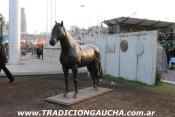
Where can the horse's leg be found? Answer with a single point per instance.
(94, 80)
(96, 75)
(75, 71)
(65, 70)
(90, 69)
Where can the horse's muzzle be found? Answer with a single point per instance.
(52, 42)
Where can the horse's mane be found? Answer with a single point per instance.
(69, 36)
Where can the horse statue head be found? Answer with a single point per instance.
(58, 33)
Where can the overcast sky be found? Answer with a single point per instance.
(94, 11)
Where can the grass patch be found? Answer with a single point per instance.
(123, 80)
(160, 85)
(163, 85)
(158, 76)
(172, 67)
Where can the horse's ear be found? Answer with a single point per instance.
(56, 22)
(61, 23)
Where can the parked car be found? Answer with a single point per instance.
(172, 60)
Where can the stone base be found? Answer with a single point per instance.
(82, 95)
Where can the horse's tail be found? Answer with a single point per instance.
(100, 70)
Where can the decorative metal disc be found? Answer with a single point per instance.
(139, 48)
(124, 45)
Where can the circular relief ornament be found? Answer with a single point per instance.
(139, 48)
(124, 45)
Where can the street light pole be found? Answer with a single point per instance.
(82, 30)
(82, 6)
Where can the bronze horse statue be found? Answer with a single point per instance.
(73, 56)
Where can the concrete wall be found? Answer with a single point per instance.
(128, 64)
(52, 55)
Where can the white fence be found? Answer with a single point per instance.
(137, 63)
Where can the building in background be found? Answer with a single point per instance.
(81, 34)
(165, 29)
(3, 28)
(23, 21)
(2, 25)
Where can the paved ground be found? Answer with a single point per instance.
(169, 76)
(30, 65)
(29, 92)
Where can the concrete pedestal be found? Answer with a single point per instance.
(82, 95)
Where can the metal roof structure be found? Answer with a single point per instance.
(139, 22)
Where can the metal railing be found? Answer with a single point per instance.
(167, 38)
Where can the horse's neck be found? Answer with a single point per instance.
(67, 43)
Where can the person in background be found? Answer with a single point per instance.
(3, 61)
(167, 50)
(38, 52)
(42, 52)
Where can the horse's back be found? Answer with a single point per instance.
(89, 54)
(89, 47)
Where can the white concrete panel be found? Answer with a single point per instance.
(128, 58)
(144, 69)
(100, 43)
(128, 64)
(112, 59)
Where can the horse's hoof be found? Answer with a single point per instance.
(96, 89)
(95, 86)
(75, 95)
(65, 95)
(98, 84)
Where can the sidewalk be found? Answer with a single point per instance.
(30, 65)
(169, 77)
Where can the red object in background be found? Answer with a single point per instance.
(22, 45)
(41, 41)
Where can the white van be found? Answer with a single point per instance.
(172, 60)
